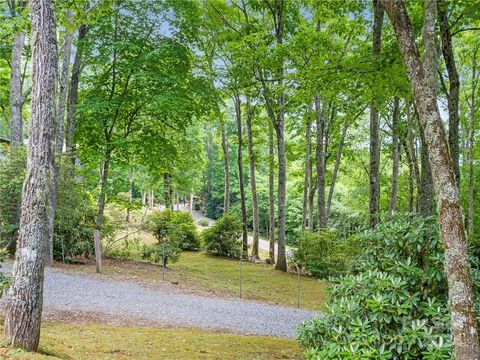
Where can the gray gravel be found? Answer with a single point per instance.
(72, 292)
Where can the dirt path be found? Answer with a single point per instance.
(78, 297)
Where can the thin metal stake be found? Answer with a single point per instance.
(298, 287)
(241, 279)
(163, 261)
(63, 252)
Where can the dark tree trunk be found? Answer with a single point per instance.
(454, 86)
(464, 322)
(253, 182)
(103, 187)
(73, 95)
(167, 191)
(395, 156)
(411, 152)
(471, 144)
(375, 124)
(320, 162)
(311, 197)
(307, 181)
(226, 181)
(241, 179)
(66, 52)
(271, 194)
(25, 296)
(425, 196)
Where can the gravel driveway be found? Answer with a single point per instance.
(125, 301)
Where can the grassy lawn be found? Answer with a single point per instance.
(203, 273)
(85, 341)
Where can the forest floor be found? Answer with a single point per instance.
(69, 341)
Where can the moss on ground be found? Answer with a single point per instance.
(87, 341)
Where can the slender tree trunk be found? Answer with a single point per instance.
(73, 95)
(375, 124)
(131, 177)
(471, 144)
(282, 187)
(226, 186)
(311, 197)
(395, 155)
(336, 167)
(103, 187)
(464, 322)
(16, 97)
(66, 52)
(253, 183)
(25, 296)
(454, 86)
(271, 194)
(241, 179)
(167, 191)
(425, 201)
(320, 157)
(307, 184)
(412, 154)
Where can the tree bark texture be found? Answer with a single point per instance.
(253, 182)
(454, 87)
(471, 144)
(25, 296)
(271, 194)
(226, 181)
(241, 179)
(16, 96)
(464, 322)
(395, 155)
(320, 162)
(307, 184)
(374, 173)
(103, 188)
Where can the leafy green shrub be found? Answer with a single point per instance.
(395, 306)
(203, 222)
(166, 250)
(12, 175)
(175, 226)
(324, 254)
(75, 218)
(223, 238)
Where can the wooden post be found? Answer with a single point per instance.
(98, 250)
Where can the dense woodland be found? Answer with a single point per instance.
(344, 133)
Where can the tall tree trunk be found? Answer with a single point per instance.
(471, 144)
(226, 181)
(271, 194)
(374, 173)
(320, 162)
(253, 183)
(464, 322)
(454, 86)
(395, 155)
(311, 197)
(412, 154)
(282, 188)
(425, 196)
(73, 94)
(338, 159)
(241, 179)
(103, 187)
(16, 96)
(131, 177)
(307, 184)
(66, 52)
(25, 296)
(167, 191)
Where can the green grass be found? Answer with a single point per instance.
(199, 272)
(86, 341)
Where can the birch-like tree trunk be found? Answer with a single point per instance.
(25, 296)
(374, 172)
(241, 179)
(16, 96)
(226, 179)
(395, 155)
(253, 182)
(464, 322)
